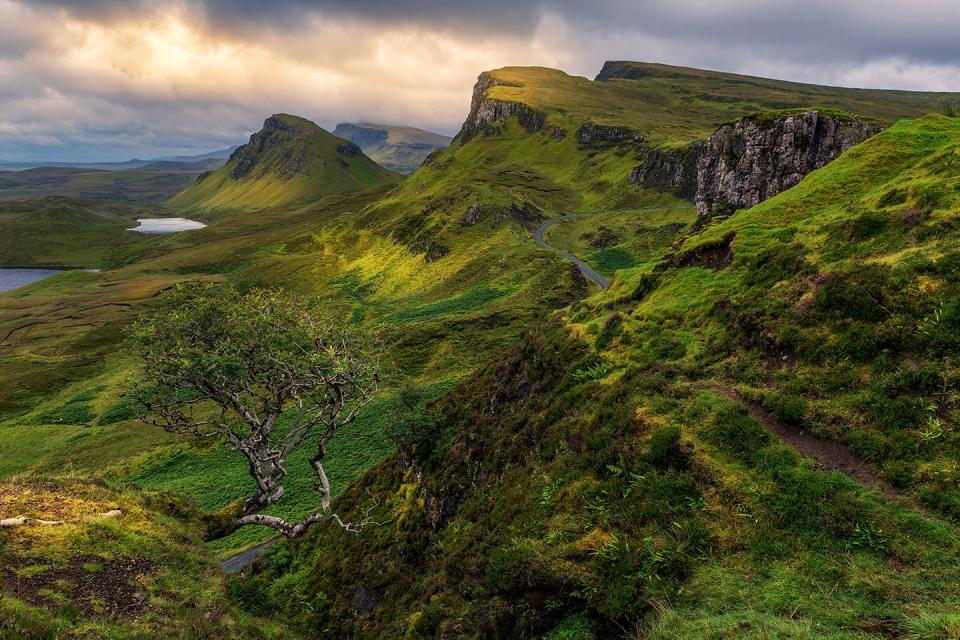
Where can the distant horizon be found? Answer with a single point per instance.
(163, 154)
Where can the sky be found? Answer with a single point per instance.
(95, 80)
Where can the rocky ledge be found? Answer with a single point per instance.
(486, 113)
(751, 160)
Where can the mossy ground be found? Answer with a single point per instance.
(141, 574)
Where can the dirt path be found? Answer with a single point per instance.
(828, 454)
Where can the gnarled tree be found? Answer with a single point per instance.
(266, 371)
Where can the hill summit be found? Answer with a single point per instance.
(290, 160)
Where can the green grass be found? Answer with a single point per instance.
(675, 105)
(583, 483)
(122, 185)
(217, 476)
(471, 300)
(83, 578)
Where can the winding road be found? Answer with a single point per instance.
(585, 269)
(242, 560)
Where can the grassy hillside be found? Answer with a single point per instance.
(69, 232)
(613, 473)
(91, 562)
(150, 185)
(439, 321)
(582, 138)
(678, 96)
(631, 469)
(290, 161)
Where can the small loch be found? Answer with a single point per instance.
(11, 279)
(154, 226)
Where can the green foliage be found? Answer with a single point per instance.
(862, 294)
(738, 433)
(413, 425)
(612, 259)
(261, 371)
(123, 409)
(73, 412)
(472, 300)
(788, 408)
(611, 328)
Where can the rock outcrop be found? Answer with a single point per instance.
(486, 113)
(527, 215)
(276, 132)
(673, 170)
(751, 160)
(590, 134)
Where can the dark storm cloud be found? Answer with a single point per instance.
(855, 30)
(98, 76)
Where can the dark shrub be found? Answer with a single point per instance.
(123, 409)
(862, 294)
(70, 413)
(893, 197)
(735, 431)
(666, 450)
(867, 225)
(610, 330)
(666, 348)
(788, 408)
(929, 197)
(648, 282)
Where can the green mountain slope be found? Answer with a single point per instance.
(596, 477)
(69, 232)
(621, 472)
(543, 142)
(290, 161)
(400, 149)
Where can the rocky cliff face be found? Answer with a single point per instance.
(745, 163)
(748, 162)
(591, 134)
(486, 113)
(673, 170)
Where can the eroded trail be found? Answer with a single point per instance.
(828, 454)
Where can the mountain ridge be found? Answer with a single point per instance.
(398, 148)
(290, 160)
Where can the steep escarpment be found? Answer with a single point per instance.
(619, 472)
(746, 163)
(753, 159)
(400, 149)
(486, 112)
(290, 160)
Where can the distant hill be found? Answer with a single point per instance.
(400, 149)
(290, 161)
(151, 183)
(211, 158)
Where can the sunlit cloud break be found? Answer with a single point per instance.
(94, 80)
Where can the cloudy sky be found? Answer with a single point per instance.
(114, 79)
